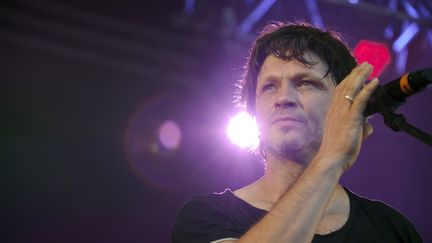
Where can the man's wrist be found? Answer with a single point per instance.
(328, 164)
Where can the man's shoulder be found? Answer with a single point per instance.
(209, 217)
(374, 205)
(210, 199)
(224, 205)
(208, 205)
(384, 217)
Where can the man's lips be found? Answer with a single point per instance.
(288, 119)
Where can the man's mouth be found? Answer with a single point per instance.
(288, 119)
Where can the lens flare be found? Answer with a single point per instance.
(170, 135)
(242, 130)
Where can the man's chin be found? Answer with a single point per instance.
(293, 141)
(294, 149)
(292, 146)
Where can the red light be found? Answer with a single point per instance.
(375, 53)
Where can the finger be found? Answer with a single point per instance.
(359, 79)
(363, 96)
(367, 130)
(354, 81)
(347, 89)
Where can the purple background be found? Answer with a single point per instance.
(85, 85)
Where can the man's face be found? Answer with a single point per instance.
(291, 104)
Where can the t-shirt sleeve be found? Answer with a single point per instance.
(202, 219)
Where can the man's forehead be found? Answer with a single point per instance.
(318, 67)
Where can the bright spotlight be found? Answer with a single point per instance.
(243, 131)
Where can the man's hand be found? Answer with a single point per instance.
(345, 127)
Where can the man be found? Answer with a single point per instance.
(308, 96)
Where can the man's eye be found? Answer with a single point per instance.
(268, 87)
(311, 84)
(304, 83)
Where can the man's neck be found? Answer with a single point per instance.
(279, 176)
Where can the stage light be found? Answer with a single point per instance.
(169, 135)
(375, 53)
(410, 9)
(256, 15)
(189, 6)
(407, 35)
(242, 130)
(314, 13)
(353, 1)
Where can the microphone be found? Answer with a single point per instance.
(392, 95)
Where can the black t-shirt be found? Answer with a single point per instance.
(212, 217)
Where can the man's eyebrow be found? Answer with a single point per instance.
(298, 76)
(270, 78)
(308, 75)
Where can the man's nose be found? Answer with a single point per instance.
(287, 98)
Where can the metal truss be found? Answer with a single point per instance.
(239, 18)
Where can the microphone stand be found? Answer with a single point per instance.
(397, 122)
(383, 104)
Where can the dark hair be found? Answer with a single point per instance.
(290, 41)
